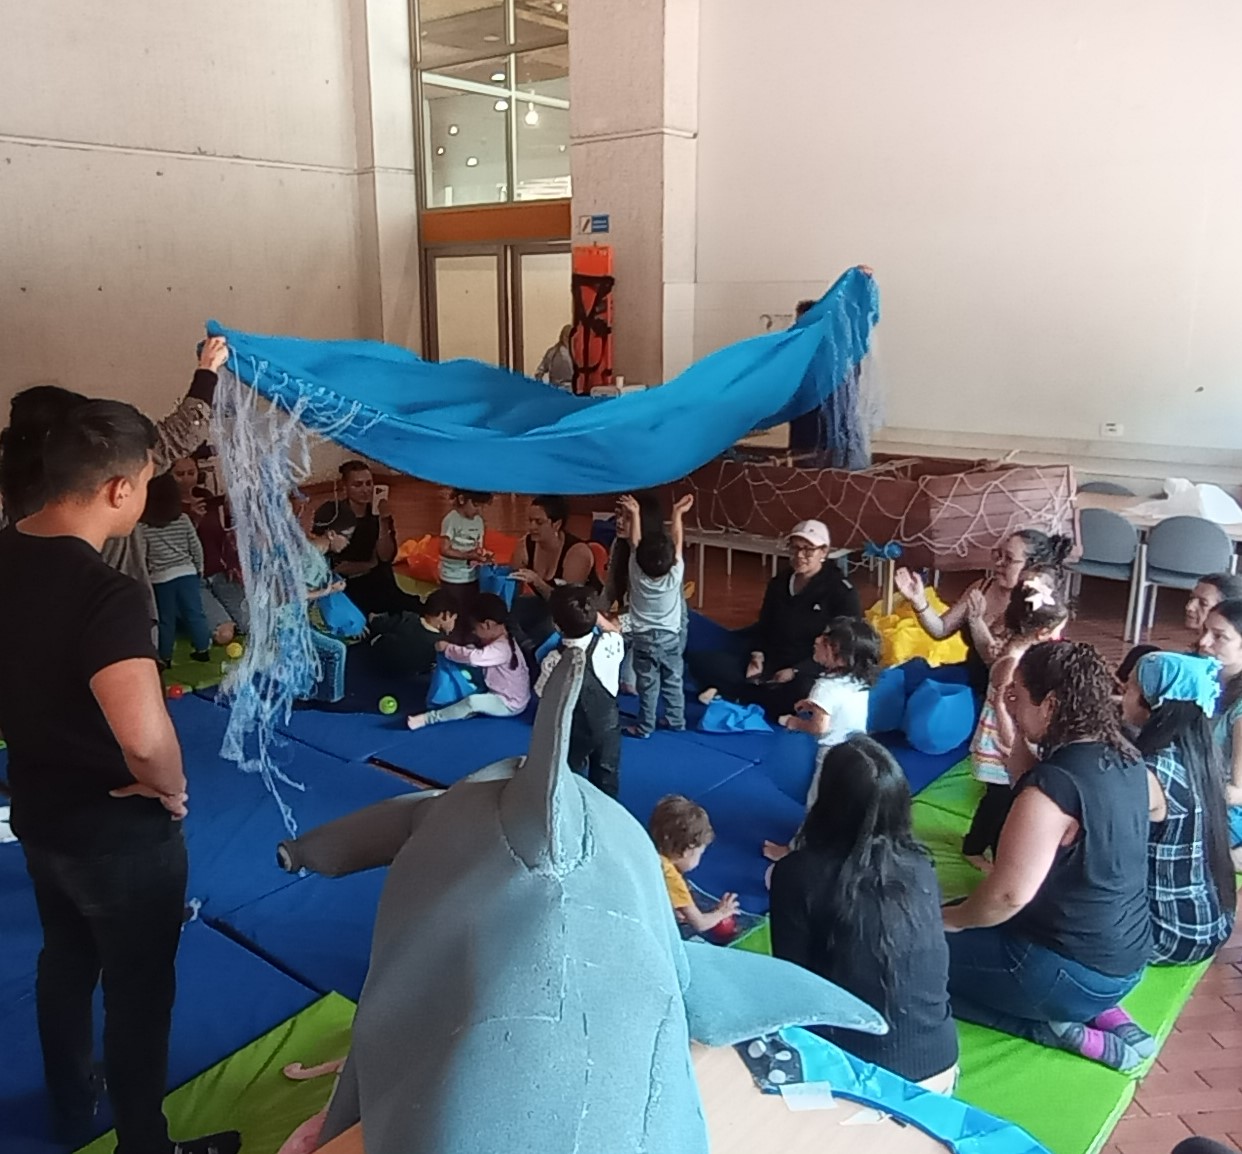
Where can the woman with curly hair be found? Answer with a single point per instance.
(1058, 933)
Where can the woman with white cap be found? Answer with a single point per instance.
(777, 668)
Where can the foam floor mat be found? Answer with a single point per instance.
(225, 997)
(248, 1091)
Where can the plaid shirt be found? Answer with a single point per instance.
(1187, 921)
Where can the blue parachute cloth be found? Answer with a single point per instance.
(450, 683)
(472, 425)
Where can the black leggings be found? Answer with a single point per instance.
(989, 820)
(726, 673)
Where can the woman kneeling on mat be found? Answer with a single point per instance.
(497, 654)
(857, 903)
(1058, 933)
(1190, 882)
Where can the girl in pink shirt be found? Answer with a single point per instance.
(497, 654)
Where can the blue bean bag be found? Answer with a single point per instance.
(886, 704)
(939, 716)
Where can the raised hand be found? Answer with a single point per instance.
(213, 354)
(909, 585)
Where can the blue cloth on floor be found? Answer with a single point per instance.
(450, 682)
(722, 716)
(467, 424)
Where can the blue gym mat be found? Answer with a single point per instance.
(921, 769)
(234, 823)
(226, 997)
(20, 936)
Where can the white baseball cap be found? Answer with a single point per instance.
(816, 532)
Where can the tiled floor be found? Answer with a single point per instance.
(1196, 1087)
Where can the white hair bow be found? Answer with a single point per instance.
(1039, 593)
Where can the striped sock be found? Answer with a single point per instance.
(1117, 1022)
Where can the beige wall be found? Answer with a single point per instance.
(1049, 194)
(163, 164)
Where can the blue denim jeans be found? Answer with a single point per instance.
(331, 652)
(1000, 980)
(181, 601)
(658, 671)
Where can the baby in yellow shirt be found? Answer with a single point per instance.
(681, 831)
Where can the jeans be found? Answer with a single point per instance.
(1000, 980)
(331, 653)
(118, 915)
(225, 601)
(658, 671)
(489, 704)
(180, 601)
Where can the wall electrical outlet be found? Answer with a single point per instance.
(1112, 429)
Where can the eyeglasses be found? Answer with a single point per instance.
(803, 550)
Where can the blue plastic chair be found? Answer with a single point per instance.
(1110, 547)
(1109, 487)
(1178, 552)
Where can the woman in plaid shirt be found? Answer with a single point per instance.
(1170, 697)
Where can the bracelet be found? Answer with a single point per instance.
(921, 609)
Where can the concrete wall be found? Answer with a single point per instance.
(163, 164)
(1048, 194)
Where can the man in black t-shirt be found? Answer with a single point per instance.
(96, 777)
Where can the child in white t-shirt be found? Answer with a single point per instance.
(657, 574)
(461, 540)
(848, 652)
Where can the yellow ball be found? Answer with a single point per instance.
(234, 649)
(388, 705)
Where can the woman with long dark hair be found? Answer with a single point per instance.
(857, 903)
(1222, 639)
(1190, 881)
(1059, 932)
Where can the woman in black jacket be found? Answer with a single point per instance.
(778, 669)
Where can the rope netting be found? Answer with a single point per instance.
(949, 519)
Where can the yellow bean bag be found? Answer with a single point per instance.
(903, 637)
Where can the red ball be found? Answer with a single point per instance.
(176, 692)
(725, 931)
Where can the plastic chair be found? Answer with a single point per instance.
(1179, 550)
(1110, 546)
(1109, 487)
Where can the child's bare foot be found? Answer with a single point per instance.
(774, 851)
(416, 721)
(980, 862)
(708, 696)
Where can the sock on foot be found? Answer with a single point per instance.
(1116, 1021)
(1098, 1045)
(225, 1142)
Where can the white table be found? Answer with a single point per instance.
(733, 542)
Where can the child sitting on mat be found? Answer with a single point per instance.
(174, 560)
(656, 574)
(404, 644)
(595, 735)
(1036, 612)
(681, 831)
(848, 654)
(461, 541)
(497, 654)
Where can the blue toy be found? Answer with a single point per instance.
(450, 682)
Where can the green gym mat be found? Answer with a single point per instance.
(248, 1090)
(191, 674)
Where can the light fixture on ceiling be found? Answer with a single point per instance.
(453, 130)
(498, 77)
(472, 162)
(491, 39)
(532, 115)
(440, 150)
(561, 149)
(501, 106)
(558, 7)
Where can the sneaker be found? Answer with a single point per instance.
(225, 1142)
(203, 656)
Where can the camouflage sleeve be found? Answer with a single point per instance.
(182, 431)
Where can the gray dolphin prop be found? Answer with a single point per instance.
(528, 989)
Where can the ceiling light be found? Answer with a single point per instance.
(490, 39)
(472, 162)
(532, 115)
(558, 7)
(562, 148)
(498, 76)
(501, 106)
(440, 150)
(452, 130)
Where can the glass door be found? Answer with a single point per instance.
(542, 304)
(469, 305)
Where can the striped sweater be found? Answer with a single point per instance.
(172, 551)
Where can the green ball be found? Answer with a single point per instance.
(388, 705)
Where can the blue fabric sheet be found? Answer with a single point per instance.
(473, 425)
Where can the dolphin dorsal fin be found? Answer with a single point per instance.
(541, 808)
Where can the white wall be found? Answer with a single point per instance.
(163, 164)
(1049, 195)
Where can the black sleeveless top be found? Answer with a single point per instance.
(558, 574)
(1092, 907)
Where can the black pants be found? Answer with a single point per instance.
(595, 748)
(726, 673)
(378, 592)
(989, 820)
(117, 916)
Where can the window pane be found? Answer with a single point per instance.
(544, 72)
(467, 321)
(546, 303)
(542, 129)
(539, 22)
(466, 135)
(453, 30)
